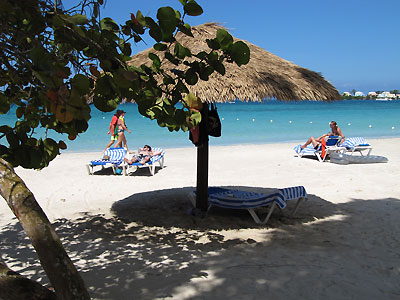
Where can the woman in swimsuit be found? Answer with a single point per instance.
(335, 131)
(121, 127)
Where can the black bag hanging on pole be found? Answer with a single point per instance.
(214, 123)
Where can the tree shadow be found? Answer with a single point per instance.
(173, 208)
(153, 249)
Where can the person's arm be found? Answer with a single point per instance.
(340, 132)
(341, 135)
(122, 124)
(321, 137)
(111, 129)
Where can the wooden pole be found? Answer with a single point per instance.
(202, 163)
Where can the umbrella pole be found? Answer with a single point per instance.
(202, 164)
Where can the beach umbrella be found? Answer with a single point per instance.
(266, 76)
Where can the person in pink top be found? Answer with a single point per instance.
(112, 129)
(121, 128)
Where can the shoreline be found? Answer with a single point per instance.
(190, 145)
(133, 236)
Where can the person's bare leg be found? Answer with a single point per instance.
(119, 142)
(311, 140)
(124, 141)
(145, 160)
(108, 145)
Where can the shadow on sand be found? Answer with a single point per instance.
(154, 249)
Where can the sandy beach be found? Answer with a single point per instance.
(133, 237)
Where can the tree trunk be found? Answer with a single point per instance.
(14, 286)
(59, 268)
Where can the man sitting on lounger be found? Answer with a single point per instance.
(143, 156)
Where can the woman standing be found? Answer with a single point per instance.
(121, 127)
(112, 129)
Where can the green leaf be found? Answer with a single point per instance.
(140, 18)
(181, 52)
(12, 139)
(81, 84)
(191, 77)
(195, 118)
(36, 159)
(219, 67)
(224, 38)
(213, 44)
(171, 58)
(5, 104)
(192, 8)
(240, 53)
(181, 87)
(77, 19)
(105, 104)
(127, 49)
(51, 148)
(156, 61)
(168, 80)
(160, 47)
(167, 20)
(155, 31)
(186, 29)
(109, 24)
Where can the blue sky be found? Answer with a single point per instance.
(354, 44)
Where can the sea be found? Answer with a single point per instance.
(245, 123)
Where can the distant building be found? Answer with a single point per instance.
(386, 96)
(372, 94)
(359, 94)
(346, 94)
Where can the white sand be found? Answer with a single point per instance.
(133, 238)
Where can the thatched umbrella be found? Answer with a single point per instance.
(266, 76)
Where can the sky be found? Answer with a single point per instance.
(354, 44)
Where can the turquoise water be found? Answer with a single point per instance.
(250, 123)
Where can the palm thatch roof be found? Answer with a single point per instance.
(266, 76)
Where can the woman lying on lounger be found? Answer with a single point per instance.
(335, 131)
(143, 156)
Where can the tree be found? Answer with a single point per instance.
(57, 63)
(353, 91)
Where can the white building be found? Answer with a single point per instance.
(359, 94)
(386, 96)
(346, 94)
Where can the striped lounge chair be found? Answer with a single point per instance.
(331, 144)
(111, 157)
(127, 168)
(236, 199)
(357, 144)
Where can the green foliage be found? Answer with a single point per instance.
(57, 63)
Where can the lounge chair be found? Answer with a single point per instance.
(357, 144)
(111, 157)
(331, 145)
(127, 168)
(236, 199)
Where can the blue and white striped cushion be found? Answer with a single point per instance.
(116, 157)
(157, 157)
(352, 142)
(309, 150)
(244, 200)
